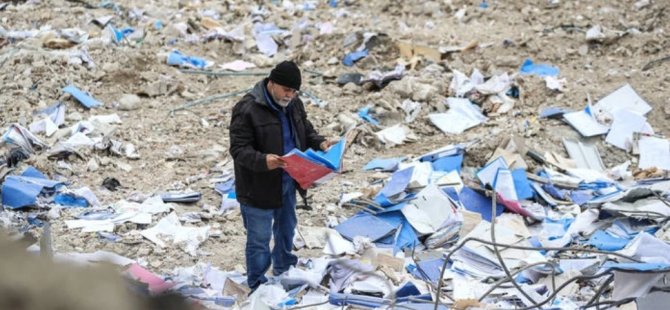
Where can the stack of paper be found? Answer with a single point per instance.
(431, 210)
(22, 137)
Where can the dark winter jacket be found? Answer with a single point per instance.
(255, 130)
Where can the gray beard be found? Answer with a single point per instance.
(282, 104)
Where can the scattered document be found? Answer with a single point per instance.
(654, 152)
(625, 124)
(585, 124)
(461, 116)
(623, 98)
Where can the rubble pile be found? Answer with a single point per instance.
(498, 155)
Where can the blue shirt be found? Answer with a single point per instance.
(288, 137)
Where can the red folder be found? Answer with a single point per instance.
(304, 171)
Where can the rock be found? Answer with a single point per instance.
(413, 88)
(144, 251)
(174, 152)
(156, 263)
(351, 88)
(507, 61)
(110, 67)
(129, 102)
(73, 116)
(123, 166)
(423, 92)
(105, 161)
(583, 50)
(261, 61)
(92, 165)
(639, 5)
(402, 88)
(62, 133)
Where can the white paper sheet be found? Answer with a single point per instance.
(90, 226)
(79, 139)
(625, 124)
(20, 136)
(336, 245)
(623, 98)
(420, 175)
(188, 237)
(394, 135)
(654, 152)
(586, 125)
(436, 204)
(461, 116)
(648, 249)
(555, 83)
(237, 65)
(504, 184)
(106, 119)
(494, 85)
(488, 173)
(45, 125)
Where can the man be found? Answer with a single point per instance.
(267, 123)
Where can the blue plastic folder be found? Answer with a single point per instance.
(607, 242)
(384, 164)
(83, 98)
(449, 163)
(366, 225)
(22, 191)
(175, 58)
(528, 67)
(332, 158)
(476, 202)
(351, 58)
(398, 182)
(311, 166)
(406, 237)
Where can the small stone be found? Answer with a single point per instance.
(423, 92)
(144, 251)
(156, 263)
(123, 166)
(105, 161)
(174, 152)
(583, 50)
(351, 88)
(74, 116)
(110, 67)
(129, 102)
(92, 165)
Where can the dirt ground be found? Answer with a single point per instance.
(186, 149)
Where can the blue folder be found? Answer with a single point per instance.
(366, 225)
(479, 203)
(83, 98)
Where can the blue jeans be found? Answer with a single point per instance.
(261, 225)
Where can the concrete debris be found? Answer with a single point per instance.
(129, 102)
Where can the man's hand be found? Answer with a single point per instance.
(274, 161)
(325, 145)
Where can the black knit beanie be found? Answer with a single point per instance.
(286, 74)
